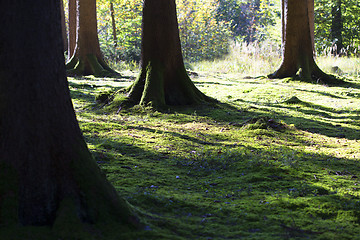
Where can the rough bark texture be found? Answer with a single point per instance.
(47, 174)
(163, 79)
(87, 58)
(297, 46)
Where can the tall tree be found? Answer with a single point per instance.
(297, 44)
(72, 27)
(163, 79)
(63, 25)
(86, 58)
(47, 174)
(337, 27)
(113, 22)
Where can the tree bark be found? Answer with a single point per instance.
(72, 27)
(47, 174)
(312, 24)
(297, 46)
(336, 28)
(63, 25)
(87, 58)
(113, 23)
(163, 79)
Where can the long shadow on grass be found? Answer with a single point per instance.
(321, 93)
(253, 196)
(85, 92)
(228, 114)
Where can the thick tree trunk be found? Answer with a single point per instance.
(87, 58)
(311, 13)
(163, 79)
(298, 45)
(47, 174)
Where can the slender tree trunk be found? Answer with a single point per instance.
(47, 174)
(283, 23)
(163, 79)
(72, 28)
(297, 44)
(63, 25)
(87, 58)
(337, 27)
(113, 23)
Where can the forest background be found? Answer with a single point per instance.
(211, 29)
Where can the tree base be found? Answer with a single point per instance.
(89, 65)
(96, 211)
(309, 74)
(159, 88)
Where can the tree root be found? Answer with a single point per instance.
(89, 65)
(158, 88)
(315, 75)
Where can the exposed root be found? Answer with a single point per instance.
(158, 88)
(89, 65)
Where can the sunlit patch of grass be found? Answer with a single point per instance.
(249, 59)
(260, 59)
(276, 159)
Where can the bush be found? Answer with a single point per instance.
(202, 36)
(128, 14)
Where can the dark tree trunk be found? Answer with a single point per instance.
(297, 46)
(163, 79)
(87, 58)
(47, 174)
(336, 28)
(63, 25)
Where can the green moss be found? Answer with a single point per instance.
(76, 66)
(69, 226)
(225, 171)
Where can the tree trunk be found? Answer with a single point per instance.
(47, 174)
(336, 28)
(87, 58)
(312, 24)
(63, 25)
(113, 23)
(297, 46)
(163, 79)
(72, 27)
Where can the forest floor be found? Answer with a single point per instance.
(275, 159)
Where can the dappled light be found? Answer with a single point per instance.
(179, 119)
(275, 159)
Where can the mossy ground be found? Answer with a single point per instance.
(277, 159)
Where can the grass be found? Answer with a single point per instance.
(276, 159)
(261, 59)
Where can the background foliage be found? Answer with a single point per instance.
(350, 11)
(202, 36)
(209, 28)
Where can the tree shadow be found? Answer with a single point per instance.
(327, 121)
(171, 203)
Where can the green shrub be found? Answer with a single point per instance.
(202, 36)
